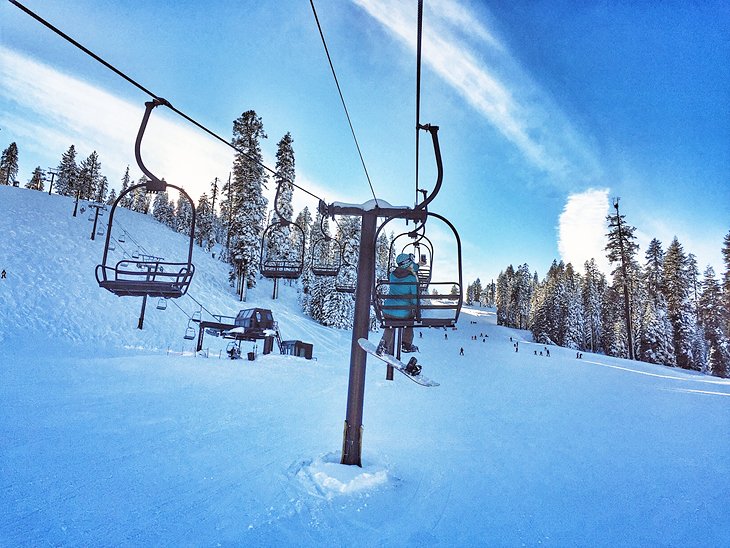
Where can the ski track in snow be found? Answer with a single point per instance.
(112, 435)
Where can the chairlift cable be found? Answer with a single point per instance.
(200, 305)
(188, 316)
(147, 91)
(418, 87)
(342, 99)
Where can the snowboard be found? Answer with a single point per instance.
(371, 349)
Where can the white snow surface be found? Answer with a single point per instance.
(111, 435)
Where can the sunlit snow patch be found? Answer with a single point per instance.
(325, 476)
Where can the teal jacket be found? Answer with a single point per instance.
(403, 286)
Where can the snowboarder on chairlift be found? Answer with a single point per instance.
(406, 302)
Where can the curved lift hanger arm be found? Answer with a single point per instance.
(153, 184)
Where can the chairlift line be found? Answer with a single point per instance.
(342, 99)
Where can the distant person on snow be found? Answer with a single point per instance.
(461, 351)
(403, 297)
(3, 275)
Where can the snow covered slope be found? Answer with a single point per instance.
(111, 436)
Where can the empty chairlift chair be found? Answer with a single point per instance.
(151, 277)
(282, 247)
(189, 332)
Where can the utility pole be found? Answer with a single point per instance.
(627, 301)
(97, 207)
(53, 171)
(76, 203)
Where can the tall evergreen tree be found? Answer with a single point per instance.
(613, 335)
(285, 243)
(163, 210)
(36, 180)
(9, 165)
(594, 288)
(382, 254)
(726, 284)
(677, 291)
(247, 200)
(622, 248)
(520, 296)
(316, 288)
(112, 197)
(348, 234)
(711, 317)
(307, 281)
(68, 173)
(505, 280)
(574, 314)
(183, 215)
(214, 192)
(127, 199)
(90, 179)
(655, 340)
(338, 306)
(304, 220)
(204, 233)
(226, 219)
(140, 200)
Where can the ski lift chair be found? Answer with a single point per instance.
(422, 251)
(325, 260)
(153, 278)
(189, 332)
(341, 284)
(326, 254)
(278, 263)
(438, 303)
(162, 304)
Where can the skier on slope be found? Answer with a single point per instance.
(404, 286)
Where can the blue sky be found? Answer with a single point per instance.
(547, 110)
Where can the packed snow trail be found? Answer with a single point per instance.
(107, 438)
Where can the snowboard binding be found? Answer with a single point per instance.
(412, 368)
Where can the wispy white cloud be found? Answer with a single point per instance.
(582, 228)
(470, 59)
(94, 119)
